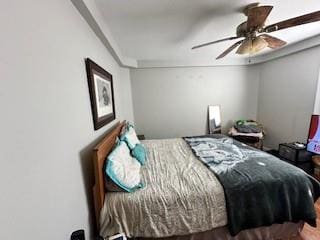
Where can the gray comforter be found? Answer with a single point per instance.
(181, 196)
(260, 189)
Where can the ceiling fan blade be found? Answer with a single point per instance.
(257, 16)
(292, 22)
(229, 49)
(273, 42)
(209, 43)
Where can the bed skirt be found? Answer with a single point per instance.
(286, 231)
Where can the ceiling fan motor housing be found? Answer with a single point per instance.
(242, 29)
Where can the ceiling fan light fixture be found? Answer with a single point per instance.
(245, 47)
(258, 44)
(250, 46)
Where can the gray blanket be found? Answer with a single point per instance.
(260, 189)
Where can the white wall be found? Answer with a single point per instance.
(287, 96)
(46, 129)
(172, 102)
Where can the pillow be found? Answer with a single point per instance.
(123, 169)
(130, 137)
(109, 184)
(139, 152)
(124, 129)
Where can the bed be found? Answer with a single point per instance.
(182, 199)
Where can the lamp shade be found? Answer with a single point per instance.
(245, 47)
(258, 44)
(251, 46)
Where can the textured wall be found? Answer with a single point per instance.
(46, 124)
(287, 96)
(172, 102)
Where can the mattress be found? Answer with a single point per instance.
(181, 196)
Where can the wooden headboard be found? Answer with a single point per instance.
(99, 156)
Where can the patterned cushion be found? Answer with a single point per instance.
(123, 169)
(139, 152)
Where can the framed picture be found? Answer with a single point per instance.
(101, 94)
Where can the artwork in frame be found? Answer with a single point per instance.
(101, 94)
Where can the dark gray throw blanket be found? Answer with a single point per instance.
(260, 189)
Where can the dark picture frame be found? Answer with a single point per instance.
(100, 84)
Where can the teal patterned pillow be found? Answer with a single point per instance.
(139, 152)
(123, 169)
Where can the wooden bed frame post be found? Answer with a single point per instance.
(100, 152)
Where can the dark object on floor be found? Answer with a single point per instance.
(296, 156)
(293, 153)
(78, 235)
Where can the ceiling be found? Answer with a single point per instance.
(167, 29)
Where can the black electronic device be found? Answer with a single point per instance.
(294, 152)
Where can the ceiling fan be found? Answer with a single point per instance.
(254, 32)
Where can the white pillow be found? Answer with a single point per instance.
(123, 169)
(130, 137)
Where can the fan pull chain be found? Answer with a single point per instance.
(250, 51)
